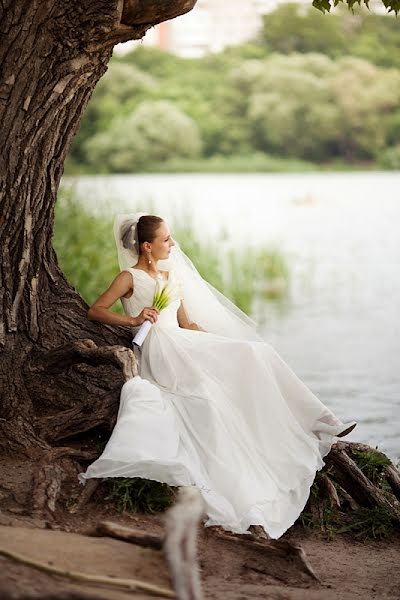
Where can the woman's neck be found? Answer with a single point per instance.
(143, 263)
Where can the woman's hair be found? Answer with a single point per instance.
(147, 226)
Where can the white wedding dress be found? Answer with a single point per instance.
(228, 416)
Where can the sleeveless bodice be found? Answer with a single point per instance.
(143, 292)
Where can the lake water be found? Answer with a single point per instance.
(339, 330)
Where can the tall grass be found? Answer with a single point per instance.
(86, 252)
(85, 248)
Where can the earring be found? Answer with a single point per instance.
(149, 262)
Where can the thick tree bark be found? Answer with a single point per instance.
(52, 54)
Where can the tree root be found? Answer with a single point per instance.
(62, 595)
(329, 491)
(351, 478)
(79, 418)
(353, 505)
(393, 477)
(357, 491)
(114, 582)
(258, 533)
(86, 351)
(87, 492)
(46, 487)
(129, 534)
(274, 548)
(85, 402)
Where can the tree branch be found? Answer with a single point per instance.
(152, 12)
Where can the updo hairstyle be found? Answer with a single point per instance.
(146, 229)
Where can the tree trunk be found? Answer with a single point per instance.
(52, 55)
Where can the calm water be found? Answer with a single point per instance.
(339, 330)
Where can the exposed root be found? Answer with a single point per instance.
(258, 533)
(328, 491)
(298, 554)
(274, 548)
(46, 488)
(87, 492)
(350, 477)
(76, 453)
(62, 595)
(113, 582)
(353, 505)
(393, 477)
(128, 534)
(86, 351)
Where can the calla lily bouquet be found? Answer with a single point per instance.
(165, 293)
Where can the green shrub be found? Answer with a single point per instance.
(390, 158)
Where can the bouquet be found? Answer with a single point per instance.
(164, 294)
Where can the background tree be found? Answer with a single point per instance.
(154, 132)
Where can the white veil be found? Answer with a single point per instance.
(203, 303)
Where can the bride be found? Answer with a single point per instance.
(213, 404)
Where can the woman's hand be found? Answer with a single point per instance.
(148, 314)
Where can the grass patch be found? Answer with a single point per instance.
(369, 523)
(139, 495)
(371, 463)
(363, 523)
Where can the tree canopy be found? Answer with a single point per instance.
(310, 87)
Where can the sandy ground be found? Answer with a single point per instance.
(348, 569)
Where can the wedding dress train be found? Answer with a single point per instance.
(228, 416)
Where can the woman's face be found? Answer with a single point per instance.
(162, 243)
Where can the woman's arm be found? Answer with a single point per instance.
(118, 288)
(183, 320)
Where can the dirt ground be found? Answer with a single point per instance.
(348, 569)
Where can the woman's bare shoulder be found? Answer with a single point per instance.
(124, 283)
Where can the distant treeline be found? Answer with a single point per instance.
(313, 88)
